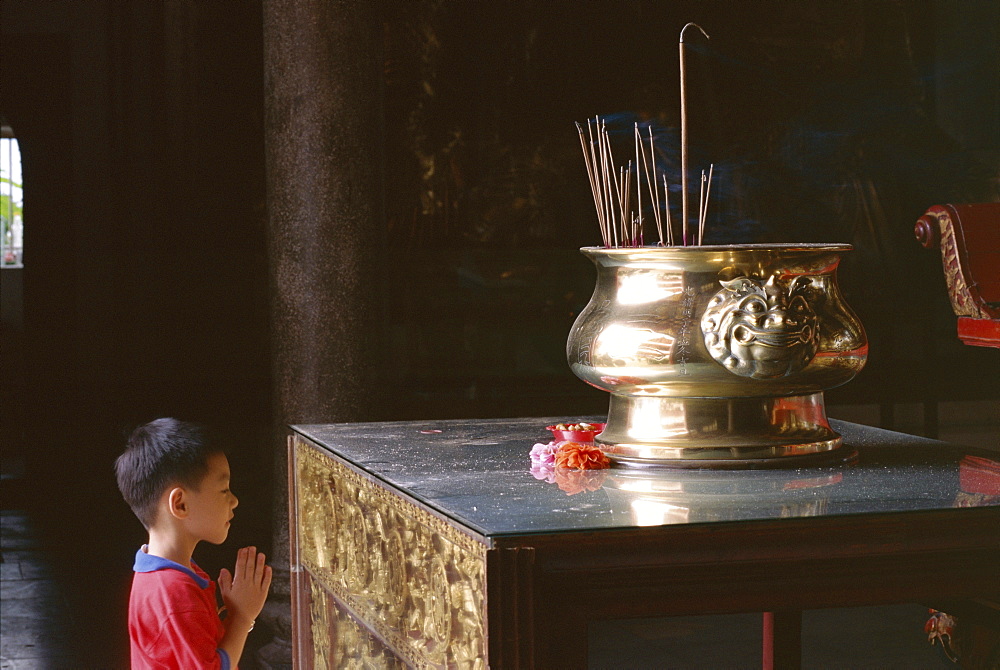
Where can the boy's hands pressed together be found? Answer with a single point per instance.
(245, 591)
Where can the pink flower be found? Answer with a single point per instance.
(546, 473)
(544, 454)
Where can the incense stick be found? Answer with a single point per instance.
(598, 195)
(655, 185)
(610, 211)
(701, 206)
(621, 207)
(627, 206)
(703, 217)
(670, 224)
(597, 190)
(622, 223)
(614, 182)
(651, 184)
(638, 189)
(590, 177)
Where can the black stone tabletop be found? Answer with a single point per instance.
(479, 473)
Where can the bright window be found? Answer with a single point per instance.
(11, 200)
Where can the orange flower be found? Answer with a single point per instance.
(578, 481)
(577, 456)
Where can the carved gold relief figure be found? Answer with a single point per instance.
(415, 580)
(319, 621)
(319, 519)
(357, 548)
(340, 642)
(395, 580)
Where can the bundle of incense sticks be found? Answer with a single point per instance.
(620, 226)
(612, 187)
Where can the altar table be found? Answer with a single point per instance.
(431, 544)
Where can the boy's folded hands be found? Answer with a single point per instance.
(245, 591)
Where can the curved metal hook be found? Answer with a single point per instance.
(700, 29)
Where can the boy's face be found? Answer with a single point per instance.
(211, 506)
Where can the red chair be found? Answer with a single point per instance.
(969, 239)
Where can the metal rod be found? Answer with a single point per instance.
(684, 131)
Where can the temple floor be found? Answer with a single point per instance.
(34, 613)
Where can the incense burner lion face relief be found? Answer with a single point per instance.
(761, 329)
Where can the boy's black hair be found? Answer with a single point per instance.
(160, 454)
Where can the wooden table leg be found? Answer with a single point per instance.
(782, 640)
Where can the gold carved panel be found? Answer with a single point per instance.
(416, 581)
(340, 642)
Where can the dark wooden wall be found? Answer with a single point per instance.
(145, 287)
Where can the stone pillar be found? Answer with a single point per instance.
(323, 88)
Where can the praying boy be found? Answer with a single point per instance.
(176, 480)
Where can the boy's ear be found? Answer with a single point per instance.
(176, 503)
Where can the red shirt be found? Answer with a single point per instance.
(173, 619)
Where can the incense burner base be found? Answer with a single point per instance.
(717, 432)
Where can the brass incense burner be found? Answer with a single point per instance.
(716, 355)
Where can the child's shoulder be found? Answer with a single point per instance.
(168, 579)
(170, 575)
(157, 578)
(170, 590)
(161, 569)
